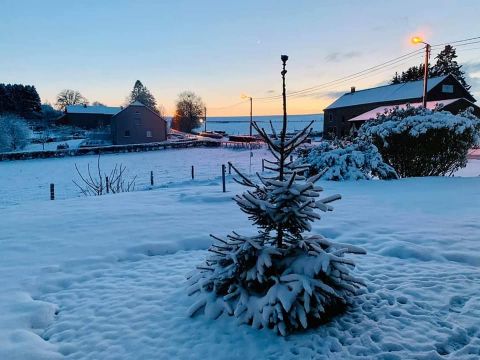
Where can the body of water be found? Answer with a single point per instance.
(235, 125)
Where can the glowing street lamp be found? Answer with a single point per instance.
(418, 40)
(251, 105)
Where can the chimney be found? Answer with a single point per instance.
(352, 89)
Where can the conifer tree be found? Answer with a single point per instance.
(446, 64)
(280, 278)
(141, 94)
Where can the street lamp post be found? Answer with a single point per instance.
(251, 116)
(205, 119)
(284, 125)
(418, 40)
(251, 111)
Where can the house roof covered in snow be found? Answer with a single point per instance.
(372, 114)
(408, 90)
(95, 109)
(137, 103)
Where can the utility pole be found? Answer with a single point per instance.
(205, 119)
(251, 118)
(428, 48)
(425, 75)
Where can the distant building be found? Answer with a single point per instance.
(137, 124)
(356, 107)
(88, 117)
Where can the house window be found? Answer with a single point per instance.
(447, 89)
(127, 133)
(149, 134)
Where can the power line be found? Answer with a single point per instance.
(386, 63)
(457, 41)
(383, 65)
(361, 74)
(323, 89)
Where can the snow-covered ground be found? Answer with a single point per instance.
(73, 144)
(104, 277)
(29, 180)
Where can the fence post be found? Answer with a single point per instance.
(223, 178)
(151, 178)
(229, 168)
(52, 192)
(107, 185)
(263, 165)
(193, 172)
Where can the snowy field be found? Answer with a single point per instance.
(104, 277)
(73, 144)
(29, 180)
(234, 125)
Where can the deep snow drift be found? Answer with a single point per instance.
(104, 277)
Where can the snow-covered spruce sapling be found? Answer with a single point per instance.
(280, 278)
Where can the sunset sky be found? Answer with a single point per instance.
(221, 49)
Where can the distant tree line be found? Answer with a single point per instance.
(445, 64)
(22, 100)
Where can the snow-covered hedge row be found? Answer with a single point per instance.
(14, 132)
(423, 142)
(358, 160)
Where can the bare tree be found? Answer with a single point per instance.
(70, 97)
(14, 132)
(189, 111)
(96, 184)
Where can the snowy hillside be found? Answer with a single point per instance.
(104, 277)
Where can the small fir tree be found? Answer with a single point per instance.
(280, 278)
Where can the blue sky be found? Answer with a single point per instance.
(220, 49)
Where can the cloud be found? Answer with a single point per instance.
(472, 75)
(471, 67)
(339, 56)
(271, 91)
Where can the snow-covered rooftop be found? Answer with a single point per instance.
(372, 114)
(137, 103)
(103, 110)
(408, 90)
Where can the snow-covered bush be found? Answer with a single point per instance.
(14, 133)
(345, 160)
(423, 142)
(279, 279)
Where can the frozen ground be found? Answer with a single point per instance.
(103, 278)
(29, 180)
(53, 145)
